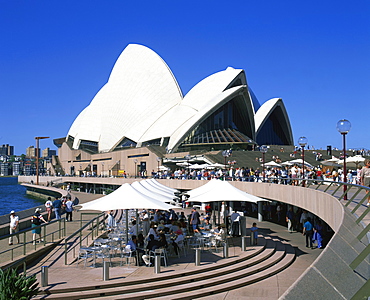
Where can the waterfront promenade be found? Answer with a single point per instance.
(67, 277)
(72, 276)
(269, 288)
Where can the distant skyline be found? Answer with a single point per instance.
(55, 56)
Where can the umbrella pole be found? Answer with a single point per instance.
(219, 212)
(126, 210)
(137, 222)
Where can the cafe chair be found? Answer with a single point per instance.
(126, 254)
(161, 252)
(85, 255)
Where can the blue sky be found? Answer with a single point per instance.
(56, 55)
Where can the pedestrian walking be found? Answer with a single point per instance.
(308, 232)
(69, 209)
(36, 221)
(49, 207)
(57, 204)
(13, 226)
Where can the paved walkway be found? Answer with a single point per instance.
(69, 276)
(62, 276)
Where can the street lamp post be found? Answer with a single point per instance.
(37, 152)
(263, 150)
(344, 126)
(303, 142)
(135, 161)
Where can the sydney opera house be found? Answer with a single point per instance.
(142, 108)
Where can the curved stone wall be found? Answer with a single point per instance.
(330, 276)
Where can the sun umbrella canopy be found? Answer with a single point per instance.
(353, 161)
(150, 193)
(161, 186)
(299, 161)
(333, 162)
(125, 197)
(271, 164)
(213, 183)
(219, 190)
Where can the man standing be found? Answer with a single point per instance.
(194, 221)
(308, 232)
(69, 209)
(235, 223)
(14, 222)
(49, 207)
(57, 204)
(289, 219)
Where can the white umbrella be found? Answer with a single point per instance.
(216, 165)
(125, 197)
(197, 166)
(333, 162)
(271, 164)
(219, 190)
(300, 161)
(154, 188)
(159, 185)
(140, 188)
(287, 163)
(353, 161)
(203, 188)
(163, 168)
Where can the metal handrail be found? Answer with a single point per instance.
(95, 223)
(339, 193)
(60, 231)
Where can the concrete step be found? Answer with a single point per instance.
(252, 252)
(199, 280)
(230, 285)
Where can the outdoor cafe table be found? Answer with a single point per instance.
(92, 250)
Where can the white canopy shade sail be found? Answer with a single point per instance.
(140, 188)
(204, 188)
(299, 161)
(125, 197)
(219, 190)
(353, 161)
(162, 186)
(216, 165)
(333, 162)
(152, 187)
(271, 164)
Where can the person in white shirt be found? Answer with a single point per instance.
(69, 209)
(14, 222)
(49, 207)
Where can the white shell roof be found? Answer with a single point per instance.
(140, 89)
(142, 101)
(204, 98)
(265, 111)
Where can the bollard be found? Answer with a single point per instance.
(253, 240)
(197, 256)
(244, 243)
(106, 271)
(157, 264)
(226, 250)
(44, 276)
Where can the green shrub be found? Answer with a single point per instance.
(17, 286)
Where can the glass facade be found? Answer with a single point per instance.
(274, 131)
(223, 126)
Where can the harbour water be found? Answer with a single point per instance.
(13, 196)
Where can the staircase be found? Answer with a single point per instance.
(270, 257)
